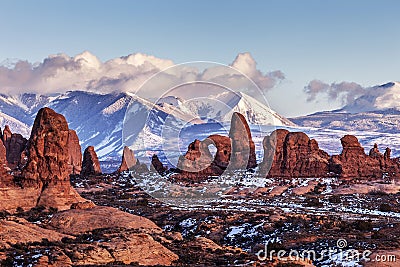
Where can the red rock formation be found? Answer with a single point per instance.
(75, 153)
(15, 144)
(90, 164)
(243, 154)
(354, 163)
(295, 156)
(199, 163)
(374, 152)
(44, 179)
(48, 148)
(128, 160)
(234, 152)
(223, 145)
(156, 165)
(5, 177)
(273, 152)
(196, 159)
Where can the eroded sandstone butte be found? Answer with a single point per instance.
(243, 155)
(90, 163)
(293, 154)
(44, 179)
(352, 162)
(75, 153)
(128, 160)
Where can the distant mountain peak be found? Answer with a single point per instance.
(377, 98)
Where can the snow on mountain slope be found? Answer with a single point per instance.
(382, 97)
(220, 108)
(377, 110)
(387, 121)
(373, 117)
(99, 118)
(15, 125)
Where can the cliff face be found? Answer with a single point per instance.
(75, 153)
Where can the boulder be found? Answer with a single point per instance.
(75, 154)
(243, 155)
(90, 163)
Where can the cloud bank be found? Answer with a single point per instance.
(346, 92)
(60, 73)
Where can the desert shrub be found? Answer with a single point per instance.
(142, 202)
(377, 193)
(314, 202)
(385, 207)
(335, 199)
(53, 209)
(289, 264)
(377, 235)
(20, 210)
(363, 225)
(4, 214)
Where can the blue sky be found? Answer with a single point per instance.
(333, 41)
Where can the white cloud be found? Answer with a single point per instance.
(346, 92)
(59, 73)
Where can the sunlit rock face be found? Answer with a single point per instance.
(44, 179)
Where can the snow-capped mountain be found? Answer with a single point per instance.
(377, 98)
(220, 108)
(373, 117)
(377, 110)
(99, 118)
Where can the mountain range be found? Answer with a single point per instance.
(99, 118)
(377, 110)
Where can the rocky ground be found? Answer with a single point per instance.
(305, 216)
